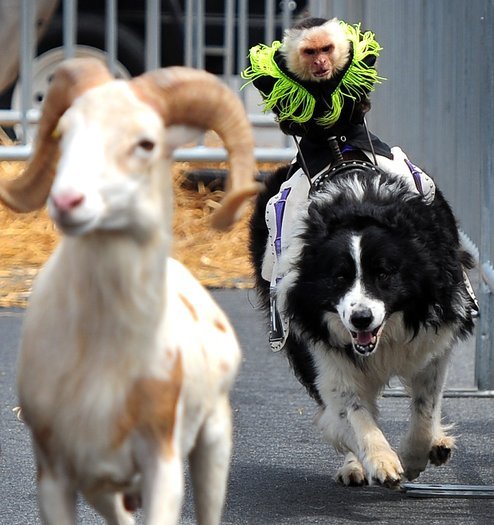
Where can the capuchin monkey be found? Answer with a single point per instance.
(315, 52)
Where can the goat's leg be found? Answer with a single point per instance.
(110, 506)
(426, 438)
(163, 487)
(209, 464)
(56, 498)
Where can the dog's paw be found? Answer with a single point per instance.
(352, 473)
(441, 450)
(384, 468)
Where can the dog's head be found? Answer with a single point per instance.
(361, 255)
(349, 285)
(365, 286)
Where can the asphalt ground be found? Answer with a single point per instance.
(282, 471)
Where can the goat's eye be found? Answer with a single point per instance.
(146, 145)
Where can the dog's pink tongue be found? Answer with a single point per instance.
(364, 338)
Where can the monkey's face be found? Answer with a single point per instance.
(317, 53)
(317, 59)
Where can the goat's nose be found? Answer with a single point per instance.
(362, 318)
(67, 200)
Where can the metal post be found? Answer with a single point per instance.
(153, 34)
(200, 34)
(111, 34)
(189, 38)
(69, 27)
(242, 32)
(27, 54)
(484, 363)
(269, 6)
(287, 22)
(194, 33)
(228, 40)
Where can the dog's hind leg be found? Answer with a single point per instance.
(426, 438)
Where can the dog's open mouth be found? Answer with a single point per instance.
(365, 342)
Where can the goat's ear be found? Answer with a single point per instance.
(178, 135)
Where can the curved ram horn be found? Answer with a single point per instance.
(196, 98)
(30, 190)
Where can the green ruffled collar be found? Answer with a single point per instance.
(293, 101)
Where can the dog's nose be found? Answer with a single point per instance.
(362, 318)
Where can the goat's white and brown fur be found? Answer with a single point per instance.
(126, 362)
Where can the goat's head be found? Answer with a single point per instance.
(101, 142)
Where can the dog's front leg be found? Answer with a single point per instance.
(380, 461)
(426, 438)
(351, 427)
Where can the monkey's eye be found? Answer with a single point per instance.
(309, 51)
(328, 49)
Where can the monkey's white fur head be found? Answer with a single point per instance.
(316, 53)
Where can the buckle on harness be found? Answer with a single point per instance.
(278, 325)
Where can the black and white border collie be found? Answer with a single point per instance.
(372, 285)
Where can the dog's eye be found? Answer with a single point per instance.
(384, 276)
(341, 277)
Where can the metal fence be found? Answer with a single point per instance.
(437, 101)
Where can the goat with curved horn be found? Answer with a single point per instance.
(126, 362)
